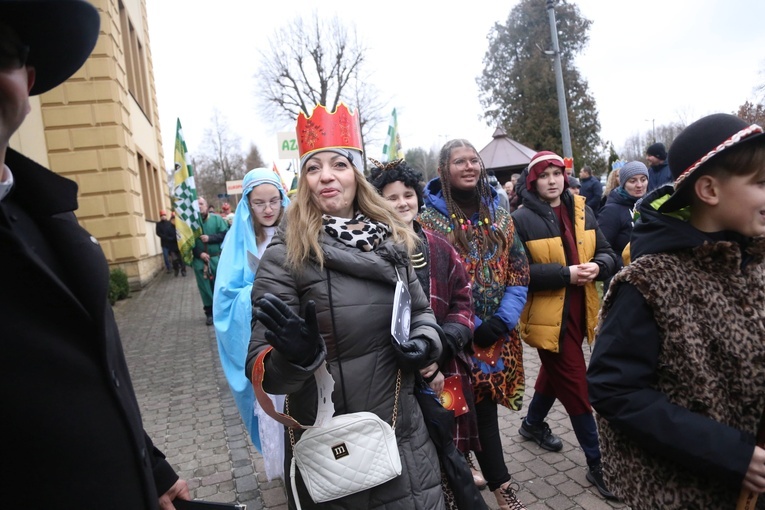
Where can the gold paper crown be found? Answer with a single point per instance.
(324, 130)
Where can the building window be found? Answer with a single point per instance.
(135, 62)
(151, 186)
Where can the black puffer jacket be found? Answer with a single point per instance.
(362, 286)
(615, 220)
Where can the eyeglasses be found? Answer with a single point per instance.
(13, 55)
(272, 204)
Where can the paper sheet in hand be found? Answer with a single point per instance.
(253, 261)
(402, 313)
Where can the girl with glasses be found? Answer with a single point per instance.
(257, 216)
(461, 205)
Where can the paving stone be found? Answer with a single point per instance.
(190, 414)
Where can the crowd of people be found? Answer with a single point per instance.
(495, 275)
(404, 292)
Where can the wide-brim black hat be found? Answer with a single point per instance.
(698, 143)
(60, 34)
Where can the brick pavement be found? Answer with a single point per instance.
(189, 412)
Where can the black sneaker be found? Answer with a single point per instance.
(209, 320)
(595, 477)
(542, 435)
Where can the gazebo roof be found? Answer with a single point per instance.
(504, 153)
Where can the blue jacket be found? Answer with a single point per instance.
(615, 220)
(658, 176)
(591, 190)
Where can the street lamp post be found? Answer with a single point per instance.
(562, 111)
(653, 129)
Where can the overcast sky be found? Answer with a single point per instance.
(647, 61)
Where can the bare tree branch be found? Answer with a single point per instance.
(316, 61)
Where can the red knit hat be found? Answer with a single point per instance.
(539, 164)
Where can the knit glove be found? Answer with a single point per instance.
(489, 331)
(412, 354)
(296, 339)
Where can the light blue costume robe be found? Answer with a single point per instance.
(232, 311)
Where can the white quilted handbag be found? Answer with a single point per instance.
(351, 453)
(345, 454)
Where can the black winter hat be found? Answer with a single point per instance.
(60, 35)
(697, 144)
(657, 150)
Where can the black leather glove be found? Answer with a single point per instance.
(489, 331)
(454, 340)
(412, 354)
(296, 339)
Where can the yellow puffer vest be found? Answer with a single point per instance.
(541, 322)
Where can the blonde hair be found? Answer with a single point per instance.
(304, 222)
(612, 182)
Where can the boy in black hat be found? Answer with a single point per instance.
(659, 173)
(677, 372)
(71, 422)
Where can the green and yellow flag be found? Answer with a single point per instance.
(392, 149)
(188, 221)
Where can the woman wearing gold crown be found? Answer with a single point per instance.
(324, 293)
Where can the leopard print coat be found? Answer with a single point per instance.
(711, 315)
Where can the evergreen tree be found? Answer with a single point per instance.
(253, 159)
(425, 162)
(518, 88)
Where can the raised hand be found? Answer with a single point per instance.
(296, 339)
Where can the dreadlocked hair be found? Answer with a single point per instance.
(485, 233)
(383, 174)
(304, 222)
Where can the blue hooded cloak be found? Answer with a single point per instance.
(232, 305)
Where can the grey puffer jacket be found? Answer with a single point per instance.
(361, 360)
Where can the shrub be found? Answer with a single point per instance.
(118, 285)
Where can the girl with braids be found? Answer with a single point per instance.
(443, 278)
(461, 205)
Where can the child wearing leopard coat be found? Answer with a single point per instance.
(677, 372)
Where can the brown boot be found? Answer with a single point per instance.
(478, 478)
(507, 498)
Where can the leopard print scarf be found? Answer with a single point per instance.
(359, 232)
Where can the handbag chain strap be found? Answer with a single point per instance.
(291, 430)
(340, 365)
